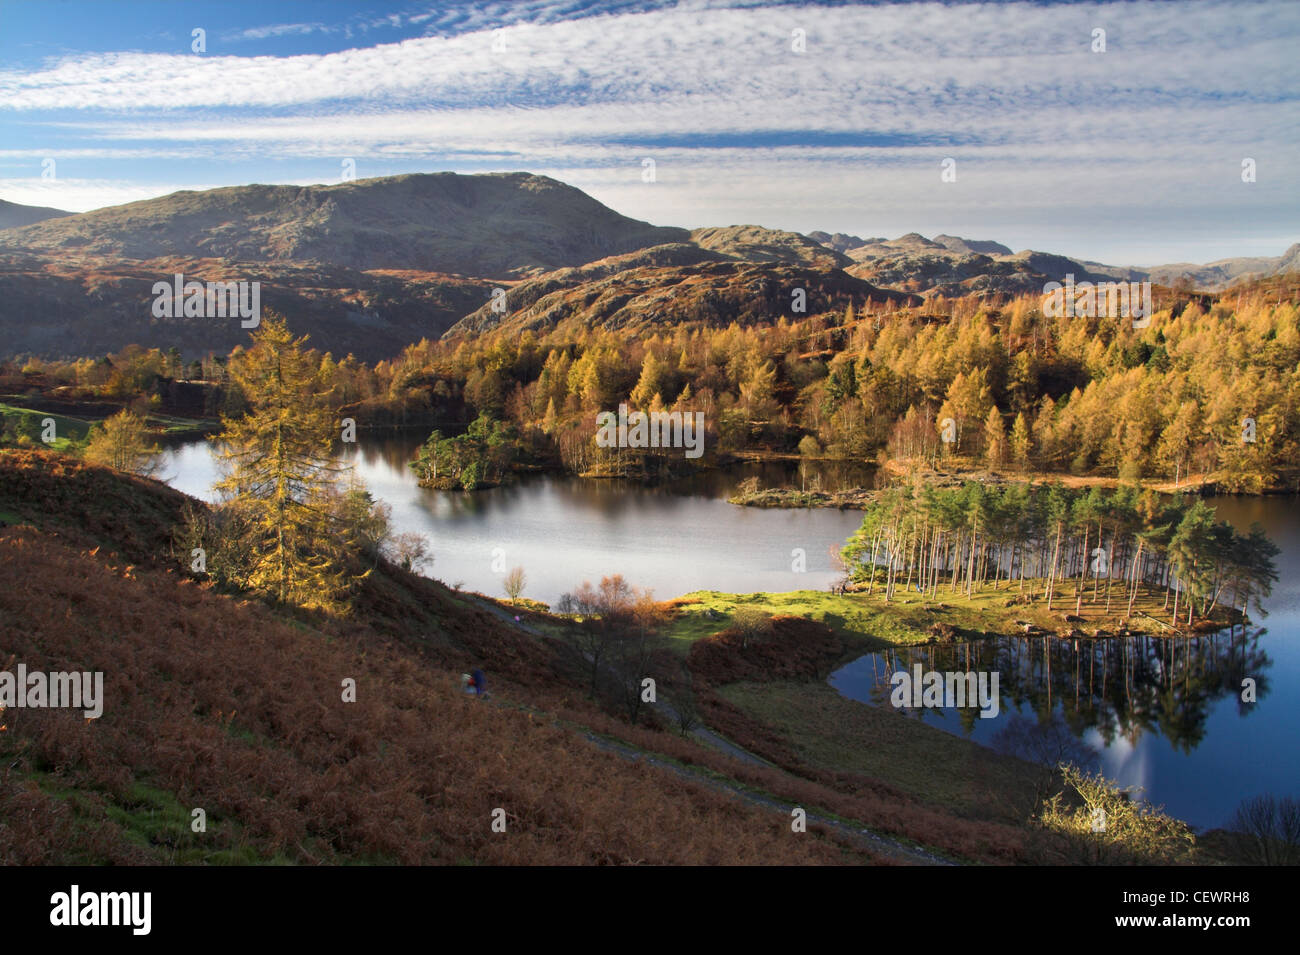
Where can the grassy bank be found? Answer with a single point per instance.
(21, 422)
(832, 733)
(71, 431)
(867, 621)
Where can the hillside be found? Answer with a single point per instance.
(222, 703)
(1224, 272)
(91, 306)
(373, 266)
(495, 224)
(952, 266)
(751, 243)
(641, 298)
(13, 215)
(365, 267)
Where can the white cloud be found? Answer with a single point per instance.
(282, 29)
(1046, 133)
(872, 58)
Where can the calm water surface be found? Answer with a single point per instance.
(1165, 715)
(563, 530)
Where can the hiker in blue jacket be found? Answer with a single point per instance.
(480, 683)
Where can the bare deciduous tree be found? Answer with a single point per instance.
(514, 583)
(635, 638)
(409, 551)
(599, 611)
(685, 702)
(1268, 830)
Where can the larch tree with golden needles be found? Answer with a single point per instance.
(280, 474)
(122, 443)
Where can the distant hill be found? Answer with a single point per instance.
(371, 266)
(497, 224)
(841, 242)
(953, 266)
(950, 265)
(92, 306)
(631, 295)
(13, 215)
(751, 243)
(972, 246)
(847, 243)
(1219, 274)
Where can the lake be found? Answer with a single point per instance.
(1162, 714)
(562, 530)
(1165, 715)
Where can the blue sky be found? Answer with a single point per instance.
(1132, 155)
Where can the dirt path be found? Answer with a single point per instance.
(877, 843)
(701, 733)
(880, 844)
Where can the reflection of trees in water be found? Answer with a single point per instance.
(394, 449)
(1120, 687)
(831, 475)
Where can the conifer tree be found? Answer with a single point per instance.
(121, 443)
(280, 476)
(995, 438)
(1020, 441)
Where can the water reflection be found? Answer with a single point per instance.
(671, 538)
(1121, 688)
(1163, 714)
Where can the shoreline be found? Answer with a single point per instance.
(858, 498)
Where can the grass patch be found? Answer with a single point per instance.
(173, 425)
(154, 819)
(69, 432)
(867, 622)
(833, 733)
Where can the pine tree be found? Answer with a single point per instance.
(280, 475)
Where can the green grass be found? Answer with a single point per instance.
(156, 820)
(69, 432)
(72, 432)
(170, 424)
(834, 733)
(868, 623)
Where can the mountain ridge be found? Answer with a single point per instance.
(444, 222)
(952, 265)
(370, 266)
(14, 215)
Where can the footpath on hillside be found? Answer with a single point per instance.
(881, 844)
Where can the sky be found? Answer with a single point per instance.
(833, 116)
